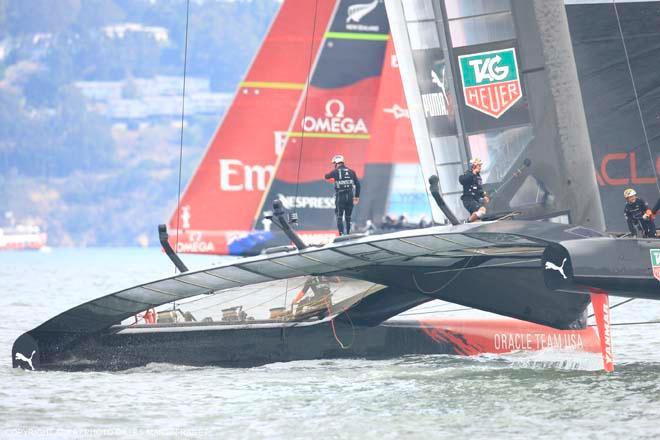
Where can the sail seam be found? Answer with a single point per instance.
(357, 36)
(273, 85)
(309, 134)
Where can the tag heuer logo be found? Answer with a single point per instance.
(655, 261)
(490, 81)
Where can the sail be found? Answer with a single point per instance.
(393, 183)
(336, 117)
(239, 160)
(617, 67)
(497, 80)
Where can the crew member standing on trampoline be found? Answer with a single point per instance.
(347, 193)
(474, 198)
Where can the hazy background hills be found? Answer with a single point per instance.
(90, 107)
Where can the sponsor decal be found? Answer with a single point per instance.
(317, 238)
(235, 176)
(357, 12)
(630, 159)
(458, 342)
(195, 243)
(335, 121)
(601, 305)
(280, 141)
(28, 360)
(394, 61)
(185, 217)
(655, 262)
(490, 81)
(609, 356)
(397, 112)
(293, 202)
(538, 341)
(552, 266)
(436, 103)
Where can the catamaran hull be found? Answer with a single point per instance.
(255, 345)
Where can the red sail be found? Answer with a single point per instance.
(392, 140)
(335, 118)
(239, 161)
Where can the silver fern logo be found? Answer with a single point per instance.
(355, 14)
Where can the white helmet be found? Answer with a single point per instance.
(629, 193)
(475, 161)
(338, 159)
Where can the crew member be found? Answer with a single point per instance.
(347, 193)
(474, 198)
(638, 215)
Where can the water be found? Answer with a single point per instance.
(522, 395)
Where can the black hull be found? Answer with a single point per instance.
(231, 346)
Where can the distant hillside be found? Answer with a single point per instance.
(90, 98)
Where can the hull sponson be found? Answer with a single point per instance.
(517, 269)
(232, 346)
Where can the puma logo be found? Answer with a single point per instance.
(21, 357)
(552, 266)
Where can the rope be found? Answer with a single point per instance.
(436, 311)
(309, 78)
(632, 80)
(430, 292)
(334, 330)
(615, 306)
(183, 113)
(630, 323)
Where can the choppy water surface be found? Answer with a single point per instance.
(524, 395)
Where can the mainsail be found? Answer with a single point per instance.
(616, 47)
(238, 163)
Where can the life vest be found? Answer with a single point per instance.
(149, 316)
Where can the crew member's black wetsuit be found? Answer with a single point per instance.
(634, 213)
(473, 191)
(346, 182)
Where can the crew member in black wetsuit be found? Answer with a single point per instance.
(474, 198)
(347, 193)
(638, 215)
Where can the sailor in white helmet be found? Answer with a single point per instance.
(638, 215)
(474, 198)
(347, 193)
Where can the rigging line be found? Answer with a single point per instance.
(309, 79)
(639, 107)
(334, 330)
(224, 300)
(459, 271)
(426, 312)
(629, 323)
(183, 113)
(615, 306)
